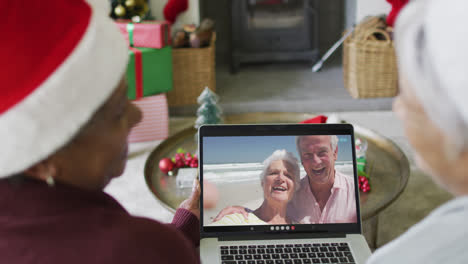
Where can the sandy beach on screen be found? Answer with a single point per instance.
(248, 194)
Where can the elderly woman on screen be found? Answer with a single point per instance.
(279, 180)
(431, 45)
(64, 122)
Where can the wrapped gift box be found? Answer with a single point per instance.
(148, 34)
(155, 122)
(149, 72)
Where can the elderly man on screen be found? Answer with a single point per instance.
(325, 195)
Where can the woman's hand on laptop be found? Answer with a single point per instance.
(193, 202)
(235, 209)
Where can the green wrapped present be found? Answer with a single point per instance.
(361, 164)
(149, 71)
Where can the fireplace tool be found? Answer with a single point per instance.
(317, 66)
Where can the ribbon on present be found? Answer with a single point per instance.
(138, 72)
(130, 28)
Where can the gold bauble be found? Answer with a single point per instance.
(119, 11)
(130, 3)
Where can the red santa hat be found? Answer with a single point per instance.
(60, 61)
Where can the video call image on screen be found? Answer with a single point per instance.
(268, 177)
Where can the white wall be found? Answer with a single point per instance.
(371, 7)
(190, 16)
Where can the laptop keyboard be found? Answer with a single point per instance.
(287, 254)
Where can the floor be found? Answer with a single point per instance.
(285, 87)
(294, 88)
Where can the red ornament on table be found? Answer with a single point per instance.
(180, 160)
(166, 165)
(364, 184)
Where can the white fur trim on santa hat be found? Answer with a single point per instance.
(50, 117)
(431, 38)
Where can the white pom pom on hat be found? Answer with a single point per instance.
(60, 62)
(431, 38)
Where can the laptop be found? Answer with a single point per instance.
(258, 169)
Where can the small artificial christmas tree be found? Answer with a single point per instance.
(209, 111)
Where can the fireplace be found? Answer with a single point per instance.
(273, 30)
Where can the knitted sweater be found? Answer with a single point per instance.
(63, 224)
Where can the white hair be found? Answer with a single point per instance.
(431, 38)
(283, 155)
(333, 143)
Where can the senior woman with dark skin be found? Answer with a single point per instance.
(64, 122)
(431, 38)
(279, 180)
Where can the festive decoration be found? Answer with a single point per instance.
(397, 5)
(173, 8)
(361, 148)
(148, 34)
(181, 159)
(363, 180)
(209, 111)
(361, 161)
(130, 3)
(166, 165)
(61, 61)
(136, 10)
(155, 122)
(119, 11)
(149, 72)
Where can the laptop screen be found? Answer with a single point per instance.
(278, 178)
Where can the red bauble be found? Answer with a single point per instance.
(179, 163)
(188, 159)
(194, 163)
(166, 165)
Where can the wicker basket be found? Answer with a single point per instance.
(193, 70)
(369, 64)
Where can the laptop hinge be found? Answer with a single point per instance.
(281, 236)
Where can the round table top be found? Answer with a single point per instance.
(387, 165)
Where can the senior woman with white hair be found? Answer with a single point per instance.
(431, 45)
(279, 180)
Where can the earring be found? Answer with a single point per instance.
(50, 181)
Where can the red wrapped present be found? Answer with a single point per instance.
(155, 122)
(148, 34)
